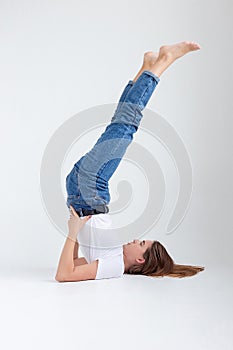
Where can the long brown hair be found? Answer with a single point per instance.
(158, 263)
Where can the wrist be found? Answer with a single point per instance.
(72, 236)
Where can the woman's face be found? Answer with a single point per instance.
(134, 250)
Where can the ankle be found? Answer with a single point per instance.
(165, 56)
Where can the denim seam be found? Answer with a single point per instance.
(113, 150)
(132, 122)
(79, 194)
(123, 100)
(146, 89)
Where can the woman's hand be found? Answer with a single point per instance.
(75, 224)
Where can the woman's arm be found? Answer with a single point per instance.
(68, 271)
(76, 246)
(66, 263)
(78, 261)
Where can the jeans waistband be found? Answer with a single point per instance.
(86, 212)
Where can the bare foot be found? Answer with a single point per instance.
(150, 58)
(169, 53)
(172, 52)
(157, 63)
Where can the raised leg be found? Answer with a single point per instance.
(149, 58)
(98, 165)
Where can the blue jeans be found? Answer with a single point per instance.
(87, 183)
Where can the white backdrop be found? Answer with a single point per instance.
(61, 57)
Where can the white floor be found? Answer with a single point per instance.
(133, 312)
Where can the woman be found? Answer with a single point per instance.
(88, 194)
